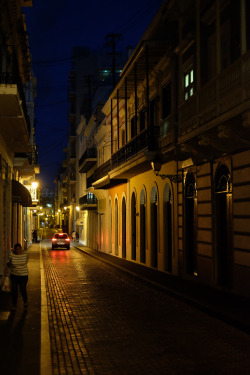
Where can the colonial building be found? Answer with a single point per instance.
(172, 173)
(18, 154)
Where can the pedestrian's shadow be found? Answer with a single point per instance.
(13, 348)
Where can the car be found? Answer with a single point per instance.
(60, 240)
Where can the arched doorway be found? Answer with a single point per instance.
(154, 227)
(133, 226)
(142, 227)
(124, 234)
(116, 227)
(223, 221)
(167, 228)
(190, 225)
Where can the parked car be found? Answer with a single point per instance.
(60, 240)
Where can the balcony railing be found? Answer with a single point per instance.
(223, 93)
(146, 140)
(88, 199)
(10, 76)
(87, 160)
(90, 153)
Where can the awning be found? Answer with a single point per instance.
(20, 194)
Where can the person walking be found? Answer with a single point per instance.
(17, 263)
(73, 236)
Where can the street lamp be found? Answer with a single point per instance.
(34, 184)
(156, 166)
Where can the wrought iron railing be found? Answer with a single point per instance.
(146, 140)
(88, 199)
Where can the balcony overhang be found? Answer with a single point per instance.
(138, 164)
(88, 207)
(216, 138)
(13, 124)
(87, 164)
(20, 194)
(107, 183)
(24, 167)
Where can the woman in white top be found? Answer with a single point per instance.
(17, 263)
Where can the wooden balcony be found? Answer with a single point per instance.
(145, 141)
(128, 161)
(13, 112)
(72, 178)
(87, 160)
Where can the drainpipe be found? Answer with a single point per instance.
(126, 110)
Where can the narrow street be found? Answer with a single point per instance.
(103, 322)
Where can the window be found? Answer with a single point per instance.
(166, 100)
(189, 83)
(133, 127)
(123, 137)
(142, 120)
(153, 112)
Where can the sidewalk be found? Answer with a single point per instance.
(20, 332)
(230, 308)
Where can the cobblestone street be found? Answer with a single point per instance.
(103, 321)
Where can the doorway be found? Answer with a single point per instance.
(223, 225)
(142, 227)
(133, 226)
(190, 225)
(124, 234)
(167, 228)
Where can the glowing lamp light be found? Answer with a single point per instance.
(34, 185)
(77, 208)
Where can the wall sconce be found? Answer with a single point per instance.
(156, 166)
(34, 184)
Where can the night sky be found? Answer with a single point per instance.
(54, 27)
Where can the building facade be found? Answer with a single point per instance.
(18, 154)
(171, 172)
